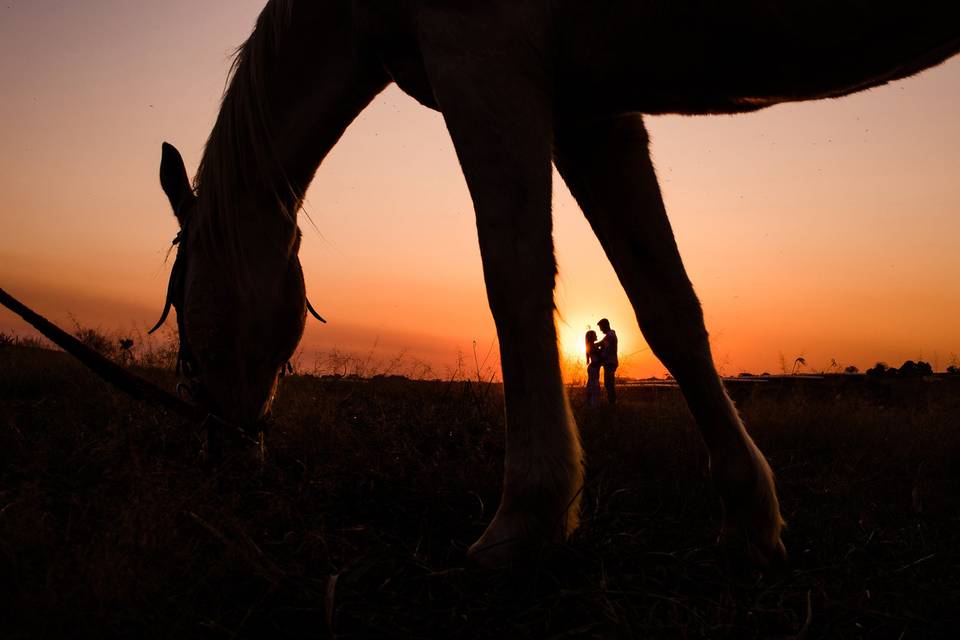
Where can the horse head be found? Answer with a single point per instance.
(238, 328)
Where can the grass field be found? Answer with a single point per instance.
(356, 523)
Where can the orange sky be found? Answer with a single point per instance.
(828, 230)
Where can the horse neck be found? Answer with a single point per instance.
(298, 81)
(248, 185)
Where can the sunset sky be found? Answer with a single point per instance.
(829, 230)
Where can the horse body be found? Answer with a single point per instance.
(694, 57)
(686, 57)
(521, 85)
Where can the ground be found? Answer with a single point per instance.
(356, 522)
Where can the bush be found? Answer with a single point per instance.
(879, 370)
(911, 369)
(908, 369)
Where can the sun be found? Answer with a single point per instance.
(571, 343)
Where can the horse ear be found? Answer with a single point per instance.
(175, 183)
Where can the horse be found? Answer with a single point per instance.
(522, 85)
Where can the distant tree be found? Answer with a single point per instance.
(851, 369)
(878, 370)
(953, 370)
(745, 374)
(911, 369)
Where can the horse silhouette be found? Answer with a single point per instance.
(521, 84)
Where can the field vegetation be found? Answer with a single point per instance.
(356, 522)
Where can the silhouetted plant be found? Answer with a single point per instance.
(157, 351)
(33, 342)
(851, 369)
(798, 362)
(878, 370)
(126, 350)
(911, 369)
(908, 369)
(94, 338)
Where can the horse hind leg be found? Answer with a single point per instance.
(503, 140)
(606, 164)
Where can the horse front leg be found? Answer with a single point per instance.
(606, 164)
(500, 122)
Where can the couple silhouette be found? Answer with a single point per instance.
(601, 354)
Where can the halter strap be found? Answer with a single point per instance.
(313, 311)
(174, 272)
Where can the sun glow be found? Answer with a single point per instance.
(571, 339)
(633, 353)
(793, 229)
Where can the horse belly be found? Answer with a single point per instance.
(703, 56)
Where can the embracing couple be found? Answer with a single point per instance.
(601, 354)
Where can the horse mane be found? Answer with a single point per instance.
(240, 157)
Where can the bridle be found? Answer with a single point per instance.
(186, 365)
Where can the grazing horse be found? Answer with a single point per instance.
(521, 84)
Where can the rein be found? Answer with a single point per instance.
(120, 377)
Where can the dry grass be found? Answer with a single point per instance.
(357, 523)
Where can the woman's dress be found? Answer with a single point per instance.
(594, 361)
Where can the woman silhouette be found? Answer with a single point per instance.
(594, 362)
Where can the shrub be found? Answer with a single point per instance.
(878, 370)
(911, 369)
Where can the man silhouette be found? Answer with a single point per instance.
(609, 354)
